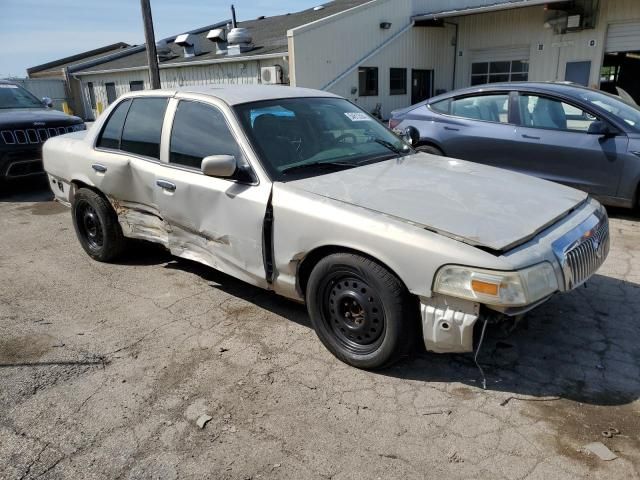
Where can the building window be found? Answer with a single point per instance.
(368, 81)
(492, 72)
(111, 92)
(398, 81)
(136, 85)
(92, 95)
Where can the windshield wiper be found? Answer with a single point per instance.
(318, 166)
(391, 146)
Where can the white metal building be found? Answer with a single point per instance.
(392, 53)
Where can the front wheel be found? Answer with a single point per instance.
(360, 311)
(430, 149)
(96, 225)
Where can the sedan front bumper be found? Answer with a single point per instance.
(448, 322)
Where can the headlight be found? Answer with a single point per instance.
(513, 289)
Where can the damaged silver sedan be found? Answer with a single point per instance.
(303, 193)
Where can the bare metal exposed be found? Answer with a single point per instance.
(301, 192)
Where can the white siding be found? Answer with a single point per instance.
(334, 49)
(326, 49)
(241, 72)
(525, 27)
(421, 48)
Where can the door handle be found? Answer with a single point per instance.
(530, 137)
(452, 129)
(98, 168)
(166, 185)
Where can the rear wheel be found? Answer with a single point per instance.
(360, 311)
(430, 149)
(96, 225)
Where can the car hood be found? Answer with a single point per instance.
(476, 204)
(12, 117)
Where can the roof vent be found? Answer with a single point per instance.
(164, 51)
(239, 39)
(219, 37)
(191, 44)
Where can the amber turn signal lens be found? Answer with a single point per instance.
(485, 288)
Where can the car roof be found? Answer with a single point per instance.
(566, 88)
(238, 94)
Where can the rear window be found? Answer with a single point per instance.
(143, 127)
(112, 131)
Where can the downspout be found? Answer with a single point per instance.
(368, 55)
(455, 54)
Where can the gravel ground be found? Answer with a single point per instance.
(104, 370)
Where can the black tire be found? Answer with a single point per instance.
(96, 225)
(361, 311)
(430, 149)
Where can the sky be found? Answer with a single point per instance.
(33, 32)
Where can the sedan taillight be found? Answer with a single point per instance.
(393, 123)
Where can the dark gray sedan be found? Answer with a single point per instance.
(565, 133)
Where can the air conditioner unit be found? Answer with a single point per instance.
(271, 75)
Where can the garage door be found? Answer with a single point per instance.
(623, 37)
(499, 65)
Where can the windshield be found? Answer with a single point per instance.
(14, 96)
(313, 136)
(629, 114)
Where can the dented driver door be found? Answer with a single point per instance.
(215, 221)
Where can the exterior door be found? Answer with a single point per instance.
(127, 162)
(421, 85)
(553, 143)
(477, 128)
(578, 72)
(216, 221)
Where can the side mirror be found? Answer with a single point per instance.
(222, 166)
(47, 102)
(600, 128)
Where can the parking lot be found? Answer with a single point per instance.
(105, 368)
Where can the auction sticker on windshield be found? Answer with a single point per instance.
(358, 117)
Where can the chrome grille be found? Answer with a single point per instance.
(35, 136)
(583, 251)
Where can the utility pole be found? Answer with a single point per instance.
(150, 39)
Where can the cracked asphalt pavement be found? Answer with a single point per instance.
(104, 370)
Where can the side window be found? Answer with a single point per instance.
(397, 81)
(443, 106)
(136, 85)
(111, 92)
(543, 112)
(199, 131)
(92, 94)
(143, 127)
(112, 131)
(368, 81)
(489, 108)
